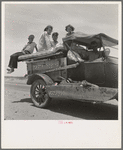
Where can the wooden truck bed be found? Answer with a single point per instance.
(45, 65)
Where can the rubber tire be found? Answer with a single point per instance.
(32, 91)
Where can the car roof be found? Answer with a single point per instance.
(86, 39)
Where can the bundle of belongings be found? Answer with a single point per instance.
(92, 46)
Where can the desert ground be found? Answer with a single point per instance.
(18, 106)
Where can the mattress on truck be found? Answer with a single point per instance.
(42, 54)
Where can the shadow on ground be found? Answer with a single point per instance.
(28, 100)
(82, 110)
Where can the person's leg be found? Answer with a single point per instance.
(14, 60)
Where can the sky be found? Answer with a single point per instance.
(23, 19)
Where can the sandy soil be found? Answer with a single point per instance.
(18, 106)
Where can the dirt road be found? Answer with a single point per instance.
(18, 106)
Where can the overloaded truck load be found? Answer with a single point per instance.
(62, 73)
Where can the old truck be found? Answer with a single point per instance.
(52, 74)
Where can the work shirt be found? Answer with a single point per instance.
(54, 43)
(44, 42)
(29, 47)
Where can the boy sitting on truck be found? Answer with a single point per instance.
(28, 49)
(55, 38)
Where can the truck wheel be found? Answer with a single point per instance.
(38, 94)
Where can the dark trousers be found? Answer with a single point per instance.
(14, 59)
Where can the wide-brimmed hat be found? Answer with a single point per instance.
(31, 36)
(55, 33)
(49, 26)
(70, 27)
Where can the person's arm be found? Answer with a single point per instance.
(24, 48)
(41, 43)
(25, 51)
(36, 48)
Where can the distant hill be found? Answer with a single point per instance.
(16, 77)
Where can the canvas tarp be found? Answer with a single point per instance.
(86, 39)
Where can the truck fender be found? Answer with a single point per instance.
(44, 77)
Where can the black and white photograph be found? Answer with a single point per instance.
(61, 74)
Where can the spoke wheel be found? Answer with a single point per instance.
(38, 94)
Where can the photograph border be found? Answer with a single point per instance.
(11, 133)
